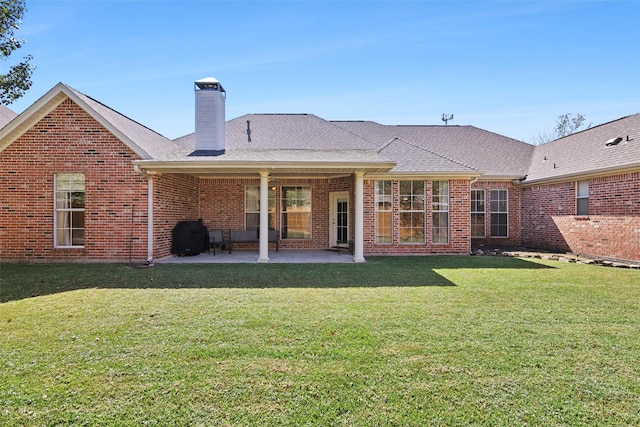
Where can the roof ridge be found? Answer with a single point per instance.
(594, 127)
(430, 151)
(356, 134)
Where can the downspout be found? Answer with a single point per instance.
(149, 213)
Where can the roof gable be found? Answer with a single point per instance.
(140, 139)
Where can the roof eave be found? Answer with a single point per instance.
(210, 166)
(583, 175)
(502, 177)
(30, 116)
(427, 174)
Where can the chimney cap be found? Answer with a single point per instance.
(209, 83)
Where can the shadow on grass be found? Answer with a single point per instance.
(19, 281)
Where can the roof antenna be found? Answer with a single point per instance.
(446, 118)
(248, 130)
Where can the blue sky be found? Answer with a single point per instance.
(511, 67)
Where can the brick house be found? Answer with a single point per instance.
(81, 182)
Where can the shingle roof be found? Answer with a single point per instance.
(150, 141)
(285, 131)
(425, 149)
(586, 152)
(411, 158)
(6, 115)
(308, 139)
(494, 154)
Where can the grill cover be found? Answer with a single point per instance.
(189, 238)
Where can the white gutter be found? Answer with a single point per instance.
(149, 213)
(581, 175)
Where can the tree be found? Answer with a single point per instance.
(17, 80)
(566, 125)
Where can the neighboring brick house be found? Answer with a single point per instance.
(81, 182)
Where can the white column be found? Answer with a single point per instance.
(358, 250)
(264, 217)
(150, 221)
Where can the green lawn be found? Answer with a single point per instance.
(397, 341)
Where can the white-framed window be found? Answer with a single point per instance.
(384, 212)
(478, 213)
(69, 210)
(252, 207)
(440, 211)
(499, 213)
(296, 212)
(412, 212)
(582, 197)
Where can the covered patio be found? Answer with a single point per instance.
(283, 256)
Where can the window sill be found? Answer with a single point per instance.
(581, 217)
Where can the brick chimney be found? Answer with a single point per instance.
(210, 97)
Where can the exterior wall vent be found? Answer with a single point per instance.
(210, 115)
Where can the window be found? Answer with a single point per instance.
(69, 207)
(499, 214)
(384, 209)
(582, 197)
(440, 211)
(252, 207)
(296, 212)
(412, 214)
(477, 213)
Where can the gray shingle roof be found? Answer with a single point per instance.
(426, 149)
(308, 139)
(285, 138)
(151, 142)
(478, 149)
(6, 115)
(286, 131)
(410, 158)
(586, 152)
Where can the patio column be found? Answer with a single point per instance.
(264, 217)
(358, 249)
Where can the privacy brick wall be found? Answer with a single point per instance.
(611, 230)
(459, 222)
(69, 140)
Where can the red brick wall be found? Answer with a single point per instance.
(514, 230)
(221, 206)
(540, 205)
(175, 200)
(611, 230)
(69, 140)
(459, 222)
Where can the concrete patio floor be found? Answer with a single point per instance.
(292, 256)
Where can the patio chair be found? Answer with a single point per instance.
(216, 238)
